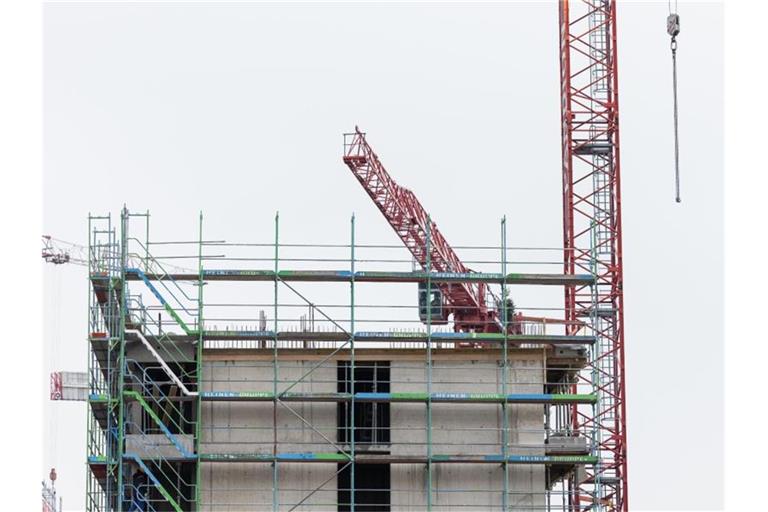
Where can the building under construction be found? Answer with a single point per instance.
(270, 375)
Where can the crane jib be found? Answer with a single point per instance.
(414, 227)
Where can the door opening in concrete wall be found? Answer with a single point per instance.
(371, 489)
(371, 419)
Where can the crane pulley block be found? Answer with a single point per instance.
(673, 24)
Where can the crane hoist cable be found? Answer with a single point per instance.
(673, 29)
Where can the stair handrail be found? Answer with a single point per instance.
(163, 337)
(166, 432)
(173, 475)
(159, 265)
(164, 302)
(163, 364)
(148, 393)
(154, 479)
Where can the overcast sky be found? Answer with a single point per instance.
(238, 110)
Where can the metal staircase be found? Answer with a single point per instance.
(142, 429)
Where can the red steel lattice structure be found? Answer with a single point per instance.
(592, 218)
(410, 221)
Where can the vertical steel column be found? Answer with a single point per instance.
(594, 354)
(429, 360)
(275, 494)
(504, 370)
(352, 365)
(592, 197)
(121, 357)
(88, 411)
(93, 371)
(113, 459)
(199, 362)
(146, 247)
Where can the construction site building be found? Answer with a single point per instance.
(321, 393)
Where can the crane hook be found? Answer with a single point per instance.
(673, 29)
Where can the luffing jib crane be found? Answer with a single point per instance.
(465, 301)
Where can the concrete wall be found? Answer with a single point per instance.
(458, 429)
(467, 429)
(247, 427)
(247, 487)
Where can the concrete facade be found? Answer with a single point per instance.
(458, 429)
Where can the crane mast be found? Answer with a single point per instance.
(409, 219)
(592, 235)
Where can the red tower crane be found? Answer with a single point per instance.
(409, 219)
(592, 218)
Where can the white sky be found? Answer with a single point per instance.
(238, 110)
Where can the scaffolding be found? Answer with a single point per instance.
(325, 394)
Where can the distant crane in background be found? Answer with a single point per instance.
(50, 501)
(66, 385)
(60, 252)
